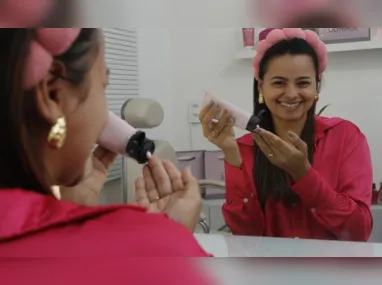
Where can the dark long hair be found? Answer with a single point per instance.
(270, 180)
(21, 125)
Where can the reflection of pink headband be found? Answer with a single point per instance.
(48, 43)
(278, 35)
(287, 11)
(23, 13)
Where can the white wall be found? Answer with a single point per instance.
(178, 65)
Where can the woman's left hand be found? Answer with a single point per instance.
(87, 192)
(291, 156)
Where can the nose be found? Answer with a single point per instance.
(291, 92)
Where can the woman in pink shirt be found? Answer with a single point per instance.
(52, 110)
(299, 175)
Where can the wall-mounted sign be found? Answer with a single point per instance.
(343, 35)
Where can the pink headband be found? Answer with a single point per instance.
(23, 13)
(49, 43)
(290, 10)
(278, 35)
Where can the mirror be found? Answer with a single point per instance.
(186, 63)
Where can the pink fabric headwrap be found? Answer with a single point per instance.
(278, 35)
(287, 11)
(23, 13)
(49, 42)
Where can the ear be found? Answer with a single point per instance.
(50, 93)
(318, 87)
(260, 86)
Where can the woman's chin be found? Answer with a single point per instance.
(292, 117)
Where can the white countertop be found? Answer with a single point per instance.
(245, 246)
(275, 271)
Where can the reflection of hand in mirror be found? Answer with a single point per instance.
(291, 155)
(218, 128)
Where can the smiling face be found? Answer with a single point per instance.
(289, 87)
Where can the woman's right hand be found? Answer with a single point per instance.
(217, 127)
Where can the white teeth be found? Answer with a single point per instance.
(294, 105)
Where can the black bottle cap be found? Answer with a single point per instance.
(255, 121)
(138, 146)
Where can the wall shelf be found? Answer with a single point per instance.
(367, 45)
(246, 53)
(374, 43)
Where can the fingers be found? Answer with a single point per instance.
(150, 185)
(273, 141)
(190, 183)
(140, 193)
(227, 130)
(224, 124)
(99, 151)
(174, 174)
(264, 147)
(207, 117)
(297, 142)
(109, 159)
(106, 157)
(89, 165)
(215, 122)
(160, 176)
(206, 112)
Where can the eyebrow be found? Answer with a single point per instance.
(283, 78)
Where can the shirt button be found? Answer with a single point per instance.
(313, 210)
(245, 200)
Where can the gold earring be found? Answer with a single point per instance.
(57, 134)
(261, 99)
(316, 97)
